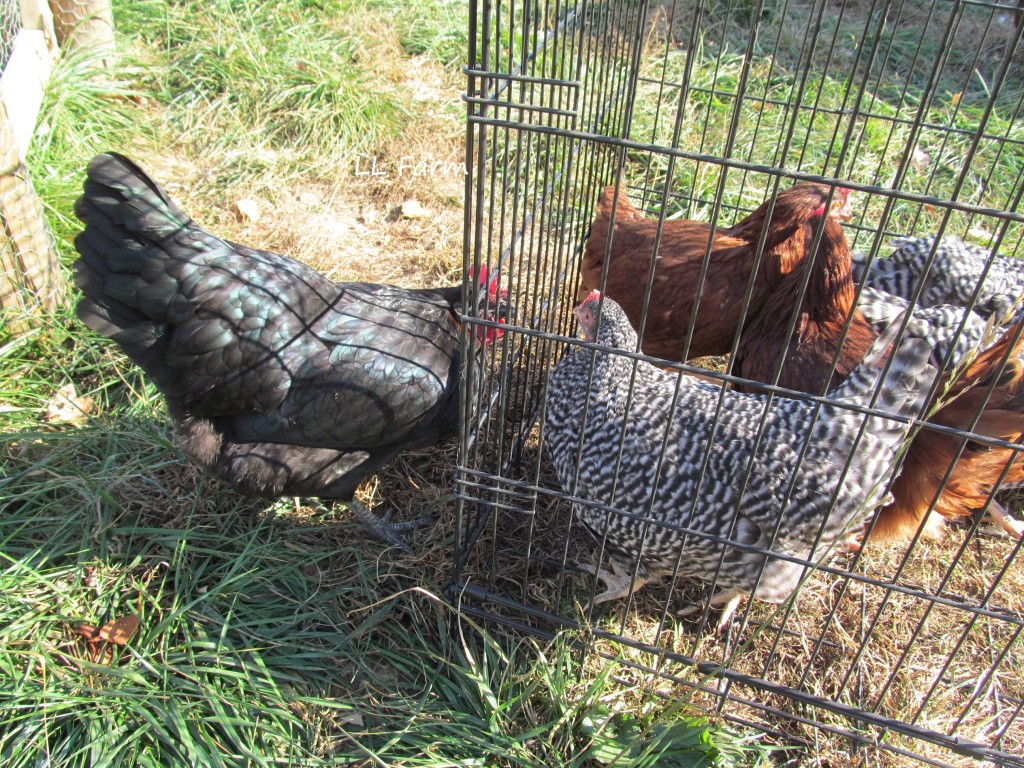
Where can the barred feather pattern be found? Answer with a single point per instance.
(956, 271)
(937, 324)
(668, 510)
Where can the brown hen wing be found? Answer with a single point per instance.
(981, 467)
(624, 250)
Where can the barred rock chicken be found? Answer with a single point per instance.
(954, 332)
(681, 253)
(811, 352)
(955, 273)
(278, 380)
(681, 509)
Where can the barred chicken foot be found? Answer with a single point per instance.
(619, 582)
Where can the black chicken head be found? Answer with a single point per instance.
(492, 304)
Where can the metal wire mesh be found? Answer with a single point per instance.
(704, 111)
(10, 23)
(84, 24)
(31, 278)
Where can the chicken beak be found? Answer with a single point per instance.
(841, 208)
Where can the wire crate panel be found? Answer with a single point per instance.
(899, 653)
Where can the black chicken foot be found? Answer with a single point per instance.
(382, 528)
(619, 584)
(731, 598)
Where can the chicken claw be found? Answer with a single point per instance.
(731, 598)
(620, 582)
(999, 516)
(382, 528)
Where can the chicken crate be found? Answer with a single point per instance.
(900, 127)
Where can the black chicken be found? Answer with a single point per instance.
(278, 380)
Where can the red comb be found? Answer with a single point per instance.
(492, 286)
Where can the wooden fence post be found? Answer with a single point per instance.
(83, 24)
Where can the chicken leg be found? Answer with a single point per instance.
(382, 528)
(619, 583)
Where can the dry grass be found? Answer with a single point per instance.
(862, 646)
(859, 644)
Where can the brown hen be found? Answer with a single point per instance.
(810, 354)
(680, 254)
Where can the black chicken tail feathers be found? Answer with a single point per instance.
(124, 249)
(128, 327)
(119, 197)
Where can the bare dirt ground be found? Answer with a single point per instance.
(394, 216)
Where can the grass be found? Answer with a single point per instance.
(806, 108)
(769, 133)
(270, 633)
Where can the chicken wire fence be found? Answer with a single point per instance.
(703, 111)
(31, 282)
(10, 23)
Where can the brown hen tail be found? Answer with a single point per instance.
(609, 201)
(967, 404)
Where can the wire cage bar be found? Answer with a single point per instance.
(704, 111)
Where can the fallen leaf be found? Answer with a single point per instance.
(413, 210)
(99, 642)
(247, 209)
(352, 718)
(119, 631)
(67, 406)
(88, 631)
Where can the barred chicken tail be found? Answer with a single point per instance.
(866, 450)
(899, 386)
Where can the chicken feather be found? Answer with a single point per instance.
(688, 505)
(278, 380)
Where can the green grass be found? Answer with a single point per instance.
(244, 76)
(269, 633)
(266, 638)
(810, 139)
(434, 28)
